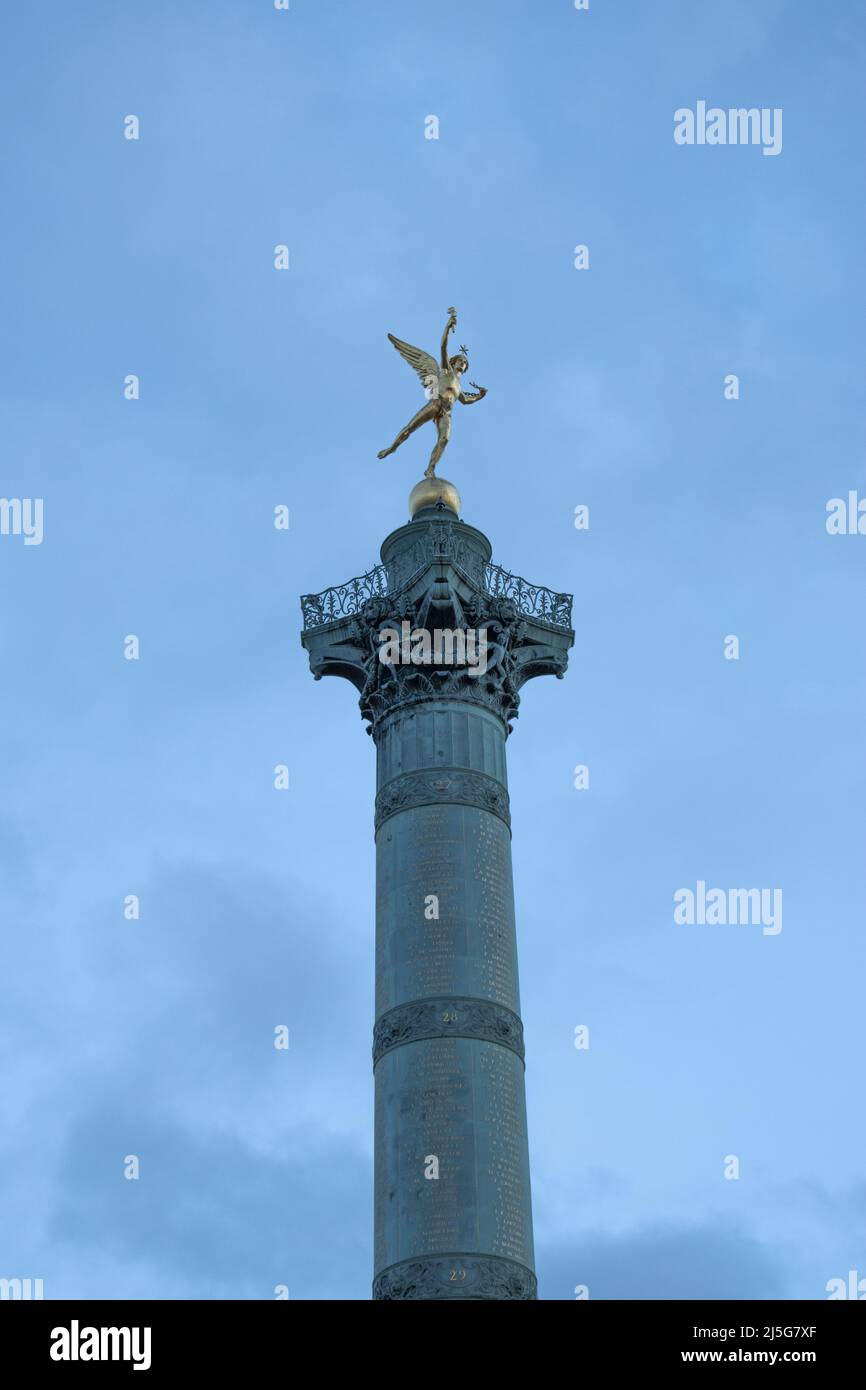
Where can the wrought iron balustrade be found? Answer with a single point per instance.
(344, 600)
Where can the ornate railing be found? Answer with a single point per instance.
(344, 600)
(533, 600)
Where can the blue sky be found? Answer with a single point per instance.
(258, 387)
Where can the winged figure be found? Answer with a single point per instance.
(441, 382)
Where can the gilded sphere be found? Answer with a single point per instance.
(432, 490)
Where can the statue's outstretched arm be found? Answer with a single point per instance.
(470, 397)
(449, 328)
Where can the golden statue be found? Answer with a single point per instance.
(442, 384)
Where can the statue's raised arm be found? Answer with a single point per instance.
(449, 329)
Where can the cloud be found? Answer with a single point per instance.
(208, 1217)
(707, 1261)
(255, 1163)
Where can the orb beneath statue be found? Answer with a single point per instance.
(430, 492)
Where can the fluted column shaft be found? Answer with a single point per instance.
(452, 1198)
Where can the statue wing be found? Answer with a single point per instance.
(421, 362)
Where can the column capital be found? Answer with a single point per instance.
(437, 577)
